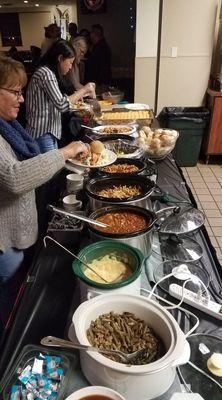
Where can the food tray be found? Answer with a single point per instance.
(27, 356)
(126, 116)
(115, 129)
(124, 149)
(65, 229)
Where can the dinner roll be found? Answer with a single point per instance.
(96, 147)
(166, 140)
(147, 129)
(155, 145)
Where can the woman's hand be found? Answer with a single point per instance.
(89, 89)
(72, 149)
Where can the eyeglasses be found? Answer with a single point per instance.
(82, 52)
(17, 93)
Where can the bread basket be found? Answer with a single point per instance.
(157, 144)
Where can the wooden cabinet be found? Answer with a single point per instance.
(213, 139)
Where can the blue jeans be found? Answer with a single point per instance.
(47, 142)
(10, 261)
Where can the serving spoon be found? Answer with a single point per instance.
(127, 358)
(80, 260)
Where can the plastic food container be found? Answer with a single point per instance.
(157, 143)
(114, 97)
(124, 148)
(27, 357)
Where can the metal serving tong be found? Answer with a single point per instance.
(77, 216)
(127, 358)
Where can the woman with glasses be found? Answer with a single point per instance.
(44, 100)
(22, 169)
(80, 46)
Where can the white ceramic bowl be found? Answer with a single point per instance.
(95, 390)
(70, 203)
(74, 182)
(140, 381)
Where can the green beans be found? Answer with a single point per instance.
(126, 333)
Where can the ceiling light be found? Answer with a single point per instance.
(37, 5)
(25, 1)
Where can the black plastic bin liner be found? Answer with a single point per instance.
(195, 114)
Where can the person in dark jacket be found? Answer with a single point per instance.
(98, 65)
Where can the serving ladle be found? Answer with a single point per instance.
(81, 261)
(127, 358)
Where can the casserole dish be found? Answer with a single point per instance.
(89, 288)
(137, 381)
(141, 239)
(96, 185)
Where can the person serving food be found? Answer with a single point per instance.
(95, 154)
(45, 103)
(22, 169)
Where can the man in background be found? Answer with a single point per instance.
(52, 33)
(98, 64)
(73, 31)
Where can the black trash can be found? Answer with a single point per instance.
(191, 123)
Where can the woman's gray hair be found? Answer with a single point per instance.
(80, 42)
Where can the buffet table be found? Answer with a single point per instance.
(51, 292)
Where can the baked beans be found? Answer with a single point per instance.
(121, 169)
(123, 222)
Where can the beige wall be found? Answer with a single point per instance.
(146, 51)
(147, 28)
(32, 23)
(32, 28)
(145, 79)
(189, 26)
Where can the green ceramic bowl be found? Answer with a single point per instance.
(102, 248)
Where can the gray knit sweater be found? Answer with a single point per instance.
(18, 181)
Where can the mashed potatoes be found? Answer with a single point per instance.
(111, 267)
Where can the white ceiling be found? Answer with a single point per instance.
(31, 3)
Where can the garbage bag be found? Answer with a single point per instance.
(195, 114)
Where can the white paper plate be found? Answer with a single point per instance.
(130, 129)
(72, 168)
(137, 106)
(111, 158)
(83, 107)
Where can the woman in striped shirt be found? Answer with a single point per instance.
(44, 100)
